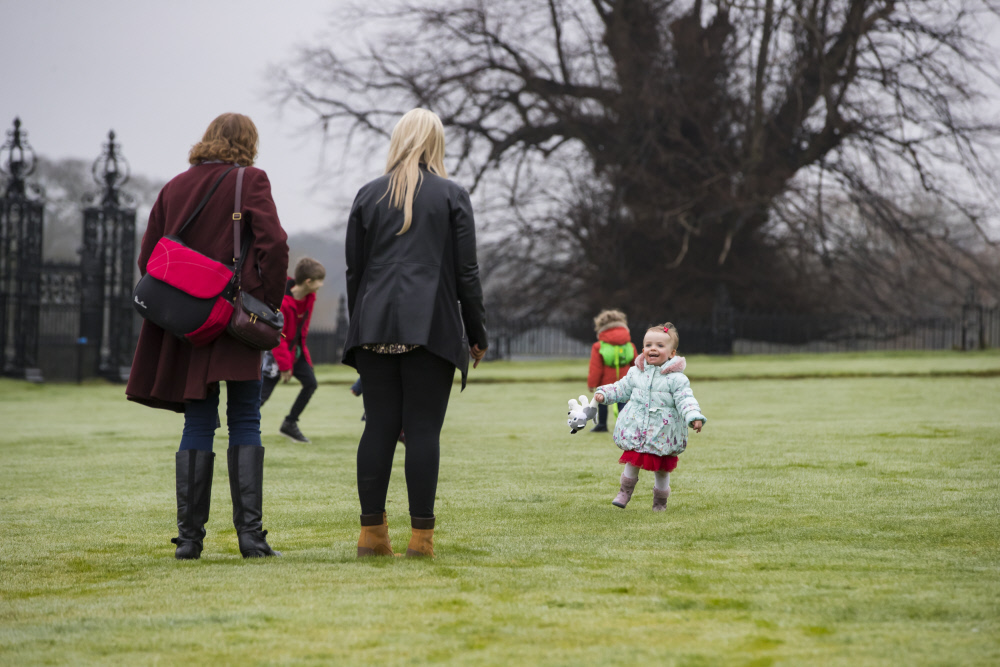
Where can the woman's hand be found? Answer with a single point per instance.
(477, 355)
(599, 397)
(696, 425)
(286, 376)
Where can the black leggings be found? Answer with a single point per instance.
(403, 392)
(302, 372)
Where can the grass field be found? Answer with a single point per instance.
(836, 510)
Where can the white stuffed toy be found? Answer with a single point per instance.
(580, 412)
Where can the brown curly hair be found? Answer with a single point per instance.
(609, 317)
(232, 137)
(671, 334)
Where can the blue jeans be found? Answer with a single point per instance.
(201, 418)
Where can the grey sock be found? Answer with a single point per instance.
(662, 481)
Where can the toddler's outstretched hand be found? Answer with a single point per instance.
(696, 425)
(599, 397)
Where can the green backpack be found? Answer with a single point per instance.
(617, 355)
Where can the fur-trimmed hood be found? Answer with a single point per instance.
(675, 365)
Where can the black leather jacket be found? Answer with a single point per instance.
(407, 289)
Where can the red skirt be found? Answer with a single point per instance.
(649, 461)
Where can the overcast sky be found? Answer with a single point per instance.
(157, 72)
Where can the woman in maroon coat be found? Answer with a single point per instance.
(171, 374)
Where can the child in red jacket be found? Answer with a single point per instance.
(292, 355)
(610, 358)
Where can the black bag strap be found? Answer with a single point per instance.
(204, 201)
(240, 251)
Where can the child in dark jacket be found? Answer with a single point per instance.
(610, 358)
(292, 354)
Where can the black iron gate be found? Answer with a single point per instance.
(21, 213)
(72, 320)
(107, 266)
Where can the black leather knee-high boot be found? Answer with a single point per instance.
(246, 481)
(194, 496)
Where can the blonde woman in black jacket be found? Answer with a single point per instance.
(412, 287)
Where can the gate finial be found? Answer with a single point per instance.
(17, 159)
(111, 171)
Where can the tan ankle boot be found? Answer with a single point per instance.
(660, 499)
(374, 539)
(625, 491)
(421, 538)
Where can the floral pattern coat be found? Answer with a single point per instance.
(660, 407)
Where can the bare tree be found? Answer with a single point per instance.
(647, 151)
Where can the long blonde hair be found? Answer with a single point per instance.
(417, 138)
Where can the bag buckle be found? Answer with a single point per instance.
(237, 216)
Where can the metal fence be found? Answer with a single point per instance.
(976, 327)
(66, 356)
(325, 347)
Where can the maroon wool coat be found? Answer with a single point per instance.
(168, 372)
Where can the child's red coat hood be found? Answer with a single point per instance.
(615, 336)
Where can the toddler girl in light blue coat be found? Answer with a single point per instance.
(652, 429)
